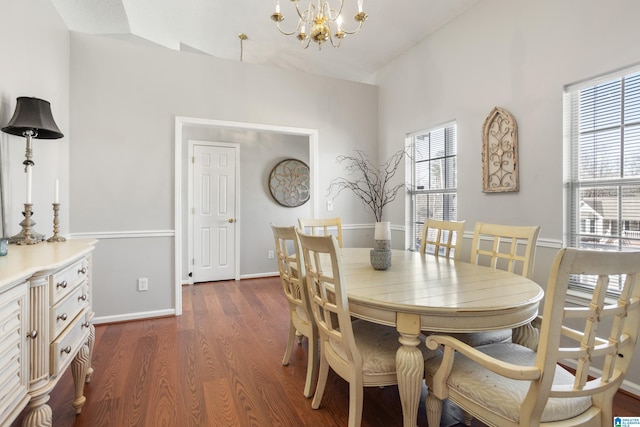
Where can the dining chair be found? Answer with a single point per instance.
(441, 238)
(322, 227)
(512, 247)
(506, 247)
(505, 384)
(301, 322)
(362, 353)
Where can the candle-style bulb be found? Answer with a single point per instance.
(56, 192)
(29, 179)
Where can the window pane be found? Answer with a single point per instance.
(600, 106)
(630, 218)
(434, 174)
(632, 99)
(600, 154)
(604, 195)
(598, 217)
(632, 151)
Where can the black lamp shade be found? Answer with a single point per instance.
(33, 114)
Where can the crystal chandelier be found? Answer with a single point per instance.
(323, 22)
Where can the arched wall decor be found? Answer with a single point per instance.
(499, 152)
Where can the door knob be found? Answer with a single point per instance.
(230, 220)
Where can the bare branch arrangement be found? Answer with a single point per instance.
(371, 183)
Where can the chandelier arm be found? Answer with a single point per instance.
(306, 42)
(326, 6)
(295, 30)
(333, 43)
(350, 32)
(306, 11)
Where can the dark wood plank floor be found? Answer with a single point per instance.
(219, 364)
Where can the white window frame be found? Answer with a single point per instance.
(414, 223)
(606, 229)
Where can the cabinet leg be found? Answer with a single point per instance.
(90, 343)
(39, 413)
(79, 367)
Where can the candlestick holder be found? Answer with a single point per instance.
(28, 236)
(56, 237)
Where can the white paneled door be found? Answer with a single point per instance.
(214, 222)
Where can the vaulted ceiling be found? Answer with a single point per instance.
(212, 27)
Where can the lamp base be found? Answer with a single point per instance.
(28, 236)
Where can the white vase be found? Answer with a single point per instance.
(381, 253)
(382, 235)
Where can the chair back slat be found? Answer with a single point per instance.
(608, 334)
(322, 227)
(291, 269)
(325, 285)
(442, 238)
(512, 248)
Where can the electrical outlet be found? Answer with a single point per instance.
(143, 284)
(271, 255)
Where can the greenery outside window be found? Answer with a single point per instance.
(602, 167)
(433, 190)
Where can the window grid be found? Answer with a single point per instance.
(604, 169)
(433, 191)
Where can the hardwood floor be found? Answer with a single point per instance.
(220, 364)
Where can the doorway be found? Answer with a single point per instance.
(181, 264)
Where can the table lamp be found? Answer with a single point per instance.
(31, 119)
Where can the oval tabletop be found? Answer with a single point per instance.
(449, 296)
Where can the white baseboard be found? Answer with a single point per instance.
(258, 275)
(134, 316)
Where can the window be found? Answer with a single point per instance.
(602, 122)
(433, 179)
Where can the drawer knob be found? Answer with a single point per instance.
(62, 284)
(82, 297)
(33, 334)
(83, 270)
(85, 324)
(62, 317)
(67, 350)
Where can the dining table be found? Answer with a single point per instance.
(423, 292)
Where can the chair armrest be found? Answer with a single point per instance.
(451, 345)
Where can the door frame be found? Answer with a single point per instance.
(236, 207)
(179, 158)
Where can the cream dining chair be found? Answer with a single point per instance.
(441, 238)
(511, 247)
(301, 322)
(506, 247)
(505, 384)
(322, 227)
(360, 352)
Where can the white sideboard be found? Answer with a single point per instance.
(45, 326)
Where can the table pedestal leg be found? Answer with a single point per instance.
(409, 367)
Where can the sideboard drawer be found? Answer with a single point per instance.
(68, 343)
(64, 281)
(63, 313)
(13, 363)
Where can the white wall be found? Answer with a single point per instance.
(35, 62)
(518, 55)
(124, 100)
